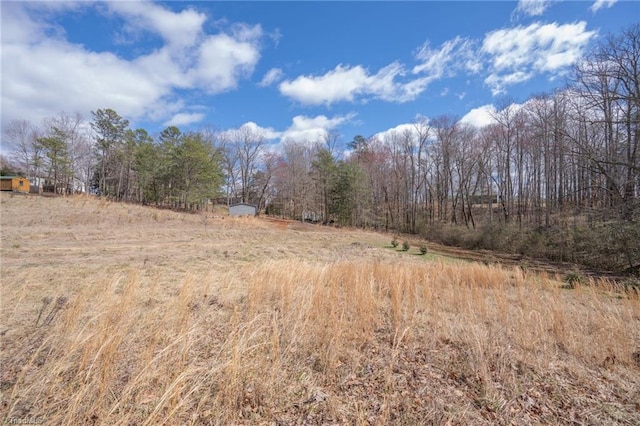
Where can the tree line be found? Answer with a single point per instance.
(559, 174)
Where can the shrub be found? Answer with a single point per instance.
(394, 242)
(632, 284)
(406, 246)
(573, 278)
(423, 249)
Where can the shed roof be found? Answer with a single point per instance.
(242, 204)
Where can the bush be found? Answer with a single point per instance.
(605, 244)
(394, 242)
(423, 249)
(572, 279)
(406, 246)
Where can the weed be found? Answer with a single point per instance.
(312, 328)
(60, 304)
(572, 279)
(46, 301)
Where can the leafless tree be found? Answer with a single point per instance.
(22, 137)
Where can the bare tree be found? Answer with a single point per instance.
(22, 136)
(293, 179)
(505, 117)
(250, 148)
(78, 148)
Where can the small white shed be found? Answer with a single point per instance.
(242, 209)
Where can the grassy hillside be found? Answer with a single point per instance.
(118, 314)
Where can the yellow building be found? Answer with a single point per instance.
(14, 183)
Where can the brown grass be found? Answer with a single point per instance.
(169, 318)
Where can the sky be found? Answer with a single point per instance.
(292, 69)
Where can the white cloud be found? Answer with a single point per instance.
(268, 133)
(454, 55)
(340, 84)
(532, 7)
(184, 119)
(396, 132)
(314, 129)
(348, 83)
(223, 61)
(73, 78)
(276, 36)
(390, 83)
(507, 56)
(272, 76)
(17, 27)
(498, 83)
(302, 128)
(480, 117)
(178, 29)
(517, 54)
(600, 4)
(50, 74)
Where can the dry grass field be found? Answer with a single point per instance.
(116, 314)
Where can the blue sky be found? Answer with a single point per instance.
(291, 69)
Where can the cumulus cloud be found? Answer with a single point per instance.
(601, 4)
(392, 83)
(342, 83)
(314, 129)
(18, 27)
(178, 29)
(268, 133)
(272, 76)
(223, 61)
(349, 83)
(396, 132)
(73, 78)
(302, 128)
(184, 119)
(517, 54)
(50, 74)
(480, 117)
(504, 57)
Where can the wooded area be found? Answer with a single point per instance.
(556, 177)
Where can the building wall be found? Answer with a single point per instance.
(5, 184)
(15, 184)
(242, 210)
(40, 184)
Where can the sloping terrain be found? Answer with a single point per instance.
(121, 314)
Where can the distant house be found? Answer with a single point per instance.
(14, 183)
(43, 184)
(242, 209)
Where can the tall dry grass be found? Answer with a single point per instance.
(371, 338)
